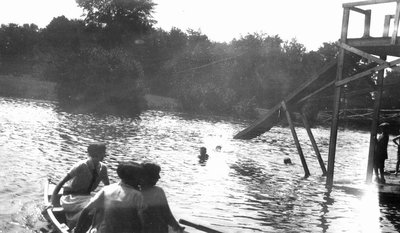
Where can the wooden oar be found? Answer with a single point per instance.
(198, 227)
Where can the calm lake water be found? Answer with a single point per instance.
(244, 187)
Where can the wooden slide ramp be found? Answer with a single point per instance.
(319, 82)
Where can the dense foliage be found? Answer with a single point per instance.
(18, 47)
(114, 56)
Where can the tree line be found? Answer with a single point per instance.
(115, 55)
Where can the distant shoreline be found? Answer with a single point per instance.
(26, 86)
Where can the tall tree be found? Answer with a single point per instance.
(101, 79)
(17, 47)
(63, 34)
(119, 20)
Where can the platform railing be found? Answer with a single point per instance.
(354, 6)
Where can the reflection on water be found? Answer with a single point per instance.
(203, 161)
(244, 186)
(391, 212)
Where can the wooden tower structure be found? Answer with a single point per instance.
(375, 50)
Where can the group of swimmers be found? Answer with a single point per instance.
(135, 204)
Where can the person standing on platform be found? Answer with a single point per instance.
(396, 141)
(381, 153)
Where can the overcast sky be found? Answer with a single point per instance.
(311, 22)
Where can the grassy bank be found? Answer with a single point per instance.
(27, 87)
(161, 102)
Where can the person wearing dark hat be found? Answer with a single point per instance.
(118, 207)
(82, 178)
(157, 215)
(381, 153)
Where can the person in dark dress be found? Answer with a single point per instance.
(396, 141)
(381, 153)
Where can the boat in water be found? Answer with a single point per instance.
(54, 214)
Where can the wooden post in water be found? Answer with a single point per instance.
(374, 125)
(314, 144)
(296, 140)
(336, 101)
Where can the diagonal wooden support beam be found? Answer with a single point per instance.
(314, 143)
(272, 117)
(326, 68)
(317, 91)
(367, 72)
(361, 53)
(296, 139)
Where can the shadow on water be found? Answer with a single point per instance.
(117, 108)
(390, 206)
(203, 161)
(325, 205)
(249, 170)
(276, 198)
